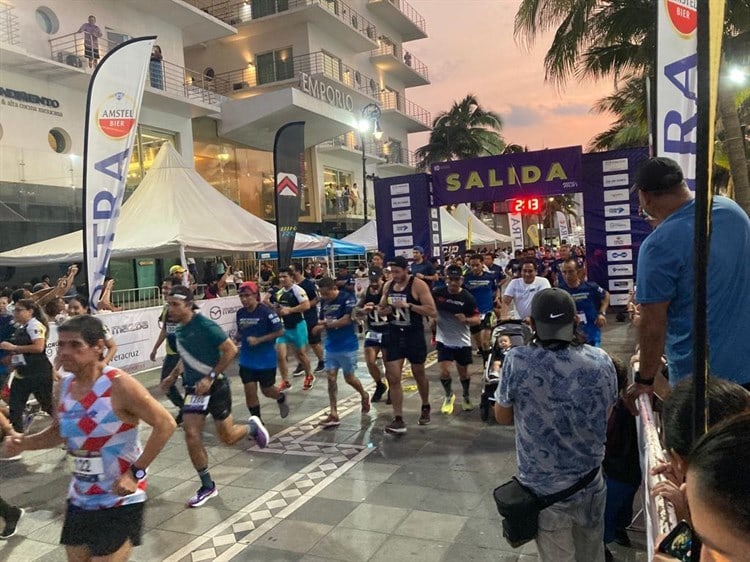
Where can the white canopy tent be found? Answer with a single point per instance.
(481, 234)
(451, 231)
(173, 212)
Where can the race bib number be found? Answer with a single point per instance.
(86, 468)
(374, 337)
(581, 318)
(195, 403)
(171, 328)
(18, 360)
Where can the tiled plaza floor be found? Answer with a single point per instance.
(351, 493)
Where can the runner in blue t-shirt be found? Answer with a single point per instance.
(258, 326)
(591, 302)
(483, 287)
(341, 344)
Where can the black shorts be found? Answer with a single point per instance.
(313, 339)
(103, 531)
(485, 324)
(220, 403)
(461, 355)
(170, 362)
(264, 377)
(406, 344)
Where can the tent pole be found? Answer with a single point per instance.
(183, 261)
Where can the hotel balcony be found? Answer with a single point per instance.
(405, 20)
(250, 80)
(197, 25)
(404, 113)
(400, 64)
(267, 16)
(398, 162)
(349, 146)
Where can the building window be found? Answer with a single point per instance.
(59, 140)
(332, 66)
(261, 8)
(47, 20)
(275, 66)
(146, 146)
(337, 187)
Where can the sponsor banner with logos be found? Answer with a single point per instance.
(112, 109)
(619, 299)
(515, 223)
(405, 216)
(288, 166)
(135, 331)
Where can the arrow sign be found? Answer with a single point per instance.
(286, 184)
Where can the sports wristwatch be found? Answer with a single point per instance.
(138, 473)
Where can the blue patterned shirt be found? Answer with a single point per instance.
(560, 401)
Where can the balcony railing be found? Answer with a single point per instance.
(9, 29)
(77, 51)
(401, 156)
(395, 101)
(397, 52)
(314, 64)
(235, 13)
(409, 11)
(352, 142)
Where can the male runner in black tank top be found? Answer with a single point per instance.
(406, 300)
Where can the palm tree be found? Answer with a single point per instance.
(466, 130)
(598, 38)
(628, 104)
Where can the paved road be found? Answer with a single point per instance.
(350, 493)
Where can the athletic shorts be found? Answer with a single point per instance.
(170, 362)
(313, 339)
(344, 360)
(296, 336)
(461, 355)
(103, 531)
(264, 377)
(376, 339)
(406, 344)
(485, 324)
(219, 403)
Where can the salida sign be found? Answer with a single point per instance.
(497, 178)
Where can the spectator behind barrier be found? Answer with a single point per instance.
(725, 399)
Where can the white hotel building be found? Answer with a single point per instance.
(233, 72)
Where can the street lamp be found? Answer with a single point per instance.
(370, 122)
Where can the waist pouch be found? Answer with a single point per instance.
(520, 507)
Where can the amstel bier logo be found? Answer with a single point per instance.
(684, 15)
(116, 116)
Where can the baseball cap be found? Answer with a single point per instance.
(181, 292)
(657, 174)
(399, 261)
(249, 287)
(419, 249)
(176, 269)
(554, 312)
(454, 271)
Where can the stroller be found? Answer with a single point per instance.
(520, 334)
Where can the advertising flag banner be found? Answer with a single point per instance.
(562, 225)
(501, 177)
(112, 108)
(289, 171)
(515, 226)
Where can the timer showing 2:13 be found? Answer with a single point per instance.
(528, 206)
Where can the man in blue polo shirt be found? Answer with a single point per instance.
(258, 326)
(591, 302)
(341, 344)
(666, 275)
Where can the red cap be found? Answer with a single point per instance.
(249, 287)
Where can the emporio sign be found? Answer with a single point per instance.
(317, 88)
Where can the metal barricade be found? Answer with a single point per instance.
(141, 297)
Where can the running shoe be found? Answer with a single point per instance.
(397, 426)
(309, 382)
(448, 401)
(285, 385)
(365, 404)
(258, 431)
(203, 495)
(299, 371)
(11, 522)
(467, 406)
(283, 406)
(424, 418)
(330, 421)
(380, 389)
(320, 367)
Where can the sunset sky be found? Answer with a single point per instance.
(471, 49)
